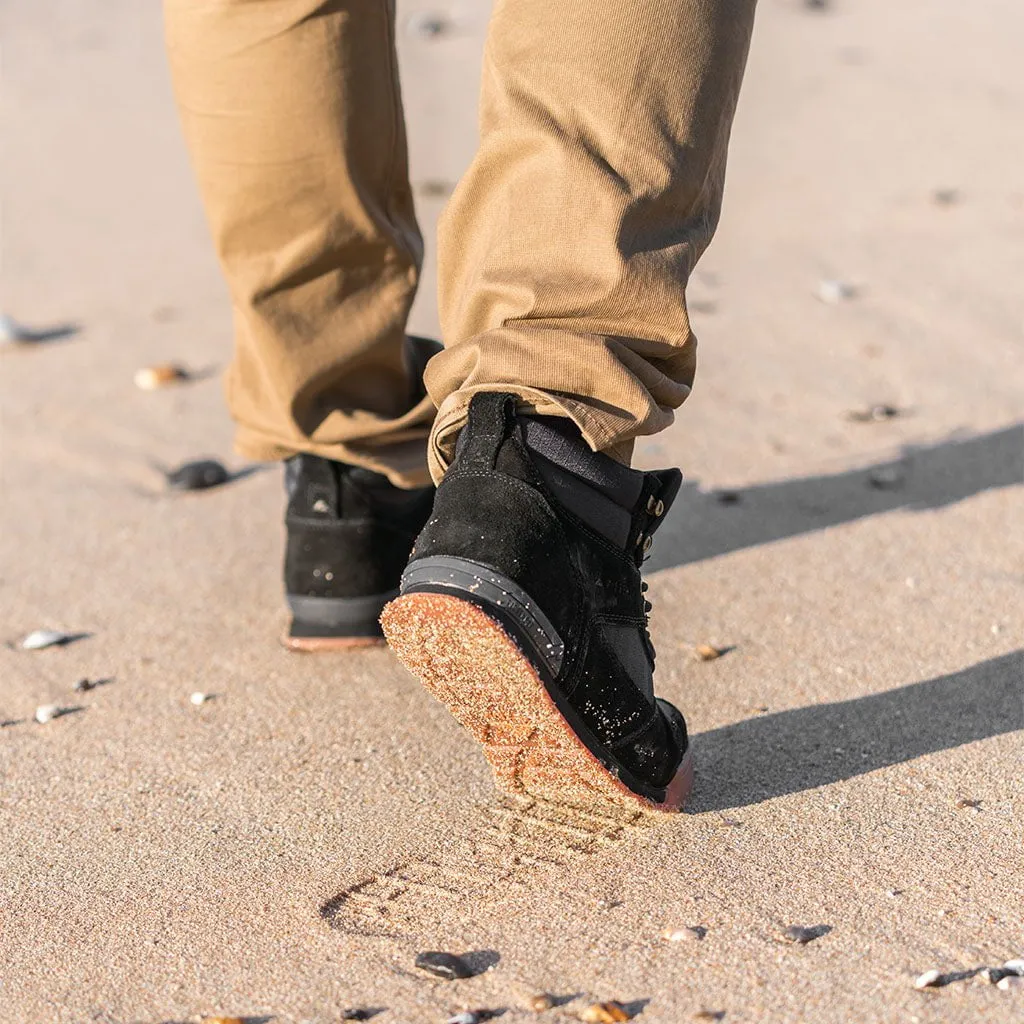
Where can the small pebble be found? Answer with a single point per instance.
(728, 497)
(41, 638)
(605, 1013)
(993, 975)
(197, 476)
(48, 712)
(833, 292)
(149, 378)
(357, 1013)
(199, 698)
(706, 652)
(540, 1003)
(435, 189)
(946, 196)
(11, 332)
(799, 934)
(443, 965)
(964, 804)
(429, 26)
(709, 1015)
(817, 5)
(930, 979)
(223, 1020)
(696, 933)
(873, 414)
(886, 478)
(471, 1017)
(1015, 967)
(84, 686)
(1012, 981)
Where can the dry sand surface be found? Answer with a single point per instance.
(283, 851)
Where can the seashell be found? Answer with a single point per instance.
(833, 292)
(964, 804)
(696, 933)
(1011, 981)
(197, 476)
(443, 965)
(14, 333)
(930, 979)
(706, 652)
(149, 378)
(993, 975)
(540, 1002)
(198, 698)
(799, 934)
(469, 1017)
(41, 638)
(605, 1013)
(886, 478)
(48, 712)
(873, 414)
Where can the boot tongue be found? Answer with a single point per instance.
(560, 442)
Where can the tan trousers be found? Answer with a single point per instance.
(563, 254)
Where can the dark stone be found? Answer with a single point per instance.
(443, 965)
(197, 476)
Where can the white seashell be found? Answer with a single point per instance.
(149, 378)
(48, 712)
(928, 980)
(11, 332)
(833, 292)
(1016, 966)
(198, 698)
(1014, 981)
(41, 638)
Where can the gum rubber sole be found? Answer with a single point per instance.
(318, 644)
(468, 662)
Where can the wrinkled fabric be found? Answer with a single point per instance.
(563, 254)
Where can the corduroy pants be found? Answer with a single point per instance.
(563, 254)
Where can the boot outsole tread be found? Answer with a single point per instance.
(468, 661)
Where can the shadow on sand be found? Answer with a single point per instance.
(701, 526)
(793, 751)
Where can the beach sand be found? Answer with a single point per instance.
(284, 850)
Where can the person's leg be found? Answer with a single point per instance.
(564, 258)
(565, 251)
(292, 114)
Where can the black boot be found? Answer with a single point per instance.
(349, 536)
(522, 610)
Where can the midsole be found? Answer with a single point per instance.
(490, 587)
(338, 611)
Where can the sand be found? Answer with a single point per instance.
(285, 849)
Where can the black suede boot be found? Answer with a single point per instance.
(522, 610)
(349, 536)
